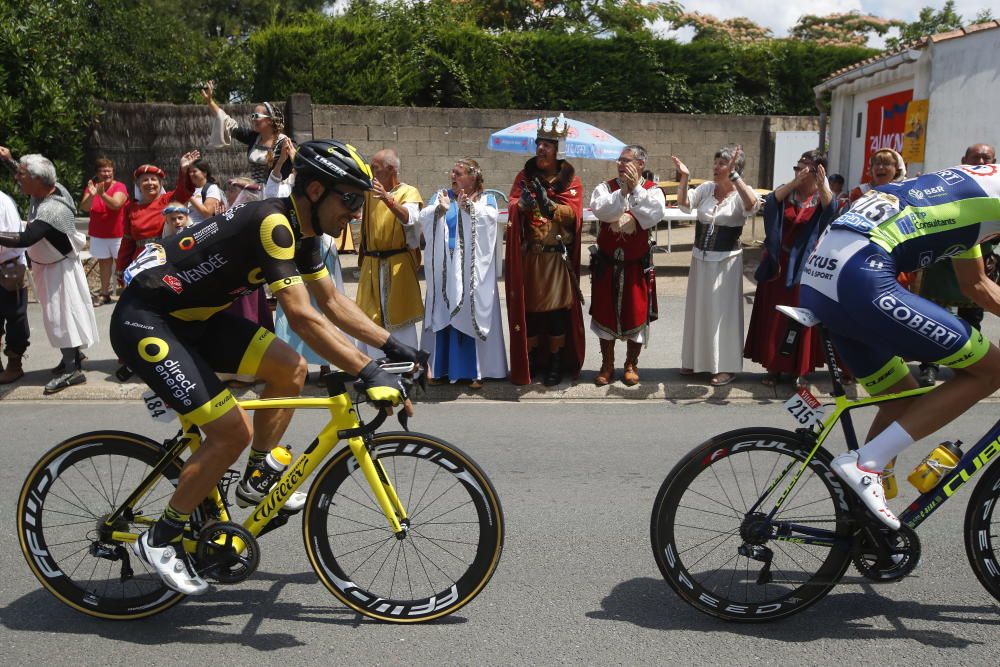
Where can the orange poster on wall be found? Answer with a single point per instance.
(916, 131)
(886, 124)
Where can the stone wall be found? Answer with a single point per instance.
(429, 140)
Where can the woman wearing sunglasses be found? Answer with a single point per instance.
(262, 136)
(795, 215)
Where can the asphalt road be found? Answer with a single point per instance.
(577, 582)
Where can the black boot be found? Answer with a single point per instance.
(554, 375)
(534, 357)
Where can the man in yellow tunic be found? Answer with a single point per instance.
(388, 290)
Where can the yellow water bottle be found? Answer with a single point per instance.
(889, 486)
(936, 465)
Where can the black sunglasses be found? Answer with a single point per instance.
(352, 200)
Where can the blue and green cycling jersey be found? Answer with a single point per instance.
(918, 221)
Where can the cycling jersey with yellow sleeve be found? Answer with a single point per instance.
(203, 269)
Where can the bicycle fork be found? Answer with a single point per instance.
(385, 493)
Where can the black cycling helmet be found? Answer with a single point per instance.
(330, 161)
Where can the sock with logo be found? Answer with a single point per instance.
(254, 462)
(169, 528)
(884, 447)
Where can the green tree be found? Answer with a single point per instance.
(234, 18)
(46, 93)
(572, 16)
(931, 21)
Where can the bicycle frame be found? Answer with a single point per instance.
(917, 511)
(344, 422)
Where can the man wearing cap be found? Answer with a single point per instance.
(542, 264)
(144, 214)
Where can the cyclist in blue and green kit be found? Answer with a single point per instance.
(849, 282)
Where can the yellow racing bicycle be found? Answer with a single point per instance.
(399, 526)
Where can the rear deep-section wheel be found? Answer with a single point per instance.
(982, 531)
(720, 549)
(60, 523)
(448, 552)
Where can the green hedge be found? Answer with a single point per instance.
(349, 61)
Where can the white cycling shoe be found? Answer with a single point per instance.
(867, 484)
(175, 571)
(247, 496)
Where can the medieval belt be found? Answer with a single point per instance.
(381, 254)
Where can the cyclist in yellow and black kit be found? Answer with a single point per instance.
(169, 327)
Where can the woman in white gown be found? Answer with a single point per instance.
(462, 321)
(713, 310)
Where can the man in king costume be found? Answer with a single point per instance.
(542, 264)
(388, 289)
(623, 280)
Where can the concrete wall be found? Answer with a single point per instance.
(964, 97)
(429, 140)
(961, 79)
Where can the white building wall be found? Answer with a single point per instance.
(964, 97)
(847, 142)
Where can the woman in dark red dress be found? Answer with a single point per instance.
(794, 216)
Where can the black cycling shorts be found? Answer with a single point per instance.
(178, 359)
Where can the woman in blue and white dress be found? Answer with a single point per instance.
(462, 319)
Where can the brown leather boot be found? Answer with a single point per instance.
(631, 377)
(14, 372)
(606, 375)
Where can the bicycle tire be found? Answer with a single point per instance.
(982, 531)
(62, 501)
(700, 521)
(455, 538)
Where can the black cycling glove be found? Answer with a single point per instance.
(383, 389)
(396, 350)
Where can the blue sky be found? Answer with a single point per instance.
(780, 15)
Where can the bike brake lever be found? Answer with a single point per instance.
(403, 419)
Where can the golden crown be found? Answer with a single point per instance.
(553, 131)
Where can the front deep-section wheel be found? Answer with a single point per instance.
(982, 531)
(60, 523)
(723, 547)
(445, 557)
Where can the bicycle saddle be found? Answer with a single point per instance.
(803, 316)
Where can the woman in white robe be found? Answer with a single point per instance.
(713, 310)
(463, 330)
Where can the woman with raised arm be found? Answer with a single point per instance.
(104, 199)
(795, 214)
(263, 138)
(713, 311)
